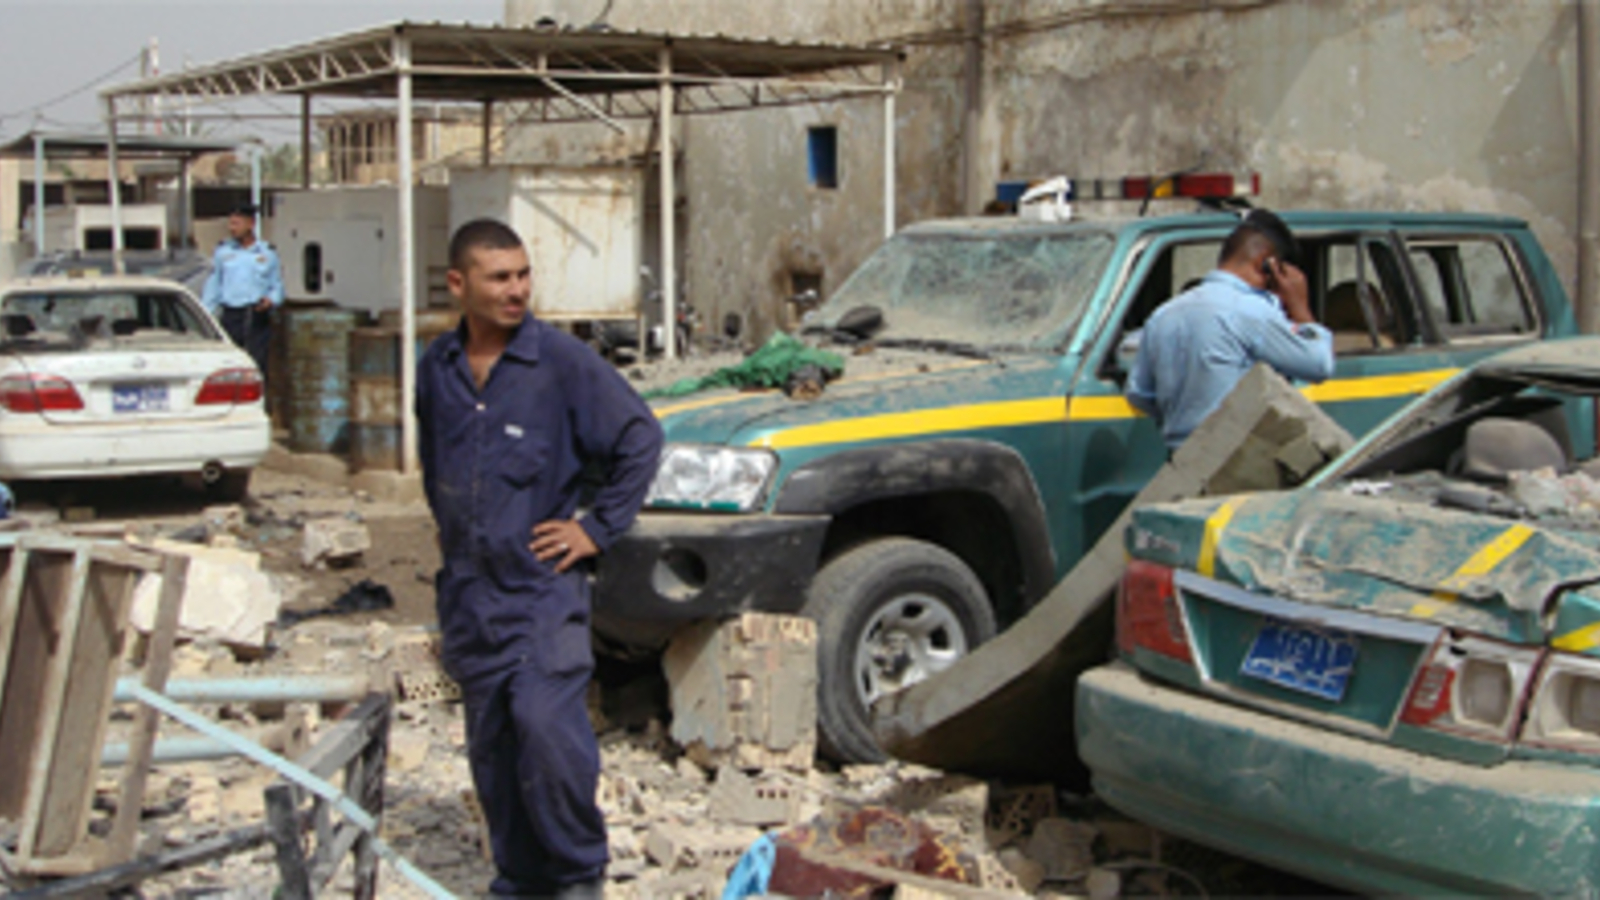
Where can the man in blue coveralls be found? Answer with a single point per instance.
(1252, 308)
(512, 412)
(246, 282)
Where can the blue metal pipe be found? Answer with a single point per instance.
(170, 750)
(283, 688)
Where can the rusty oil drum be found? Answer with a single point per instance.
(315, 389)
(375, 403)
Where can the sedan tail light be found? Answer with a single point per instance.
(1472, 686)
(1148, 617)
(38, 393)
(1565, 710)
(230, 386)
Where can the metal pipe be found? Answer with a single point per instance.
(669, 219)
(285, 688)
(170, 750)
(971, 133)
(255, 184)
(38, 194)
(408, 273)
(487, 126)
(1588, 166)
(301, 776)
(305, 141)
(891, 85)
(116, 186)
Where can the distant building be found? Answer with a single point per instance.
(359, 148)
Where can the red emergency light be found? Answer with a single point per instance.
(1192, 185)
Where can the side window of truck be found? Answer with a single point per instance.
(1472, 288)
(1358, 292)
(1176, 268)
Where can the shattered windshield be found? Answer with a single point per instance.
(72, 320)
(992, 291)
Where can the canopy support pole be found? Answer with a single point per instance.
(408, 269)
(669, 219)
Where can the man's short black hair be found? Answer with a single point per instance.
(480, 234)
(1261, 226)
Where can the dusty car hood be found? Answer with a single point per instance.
(1495, 576)
(944, 384)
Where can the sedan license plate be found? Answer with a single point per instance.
(1311, 660)
(139, 398)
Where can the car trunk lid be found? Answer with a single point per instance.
(147, 383)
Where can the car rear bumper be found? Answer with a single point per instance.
(36, 450)
(675, 568)
(1336, 808)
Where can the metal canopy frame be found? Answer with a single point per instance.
(560, 76)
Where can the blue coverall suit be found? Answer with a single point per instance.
(240, 277)
(515, 634)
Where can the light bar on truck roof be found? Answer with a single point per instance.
(1189, 185)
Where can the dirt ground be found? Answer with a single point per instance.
(649, 790)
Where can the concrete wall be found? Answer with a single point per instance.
(1401, 104)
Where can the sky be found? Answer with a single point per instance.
(55, 53)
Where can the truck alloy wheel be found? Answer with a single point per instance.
(889, 614)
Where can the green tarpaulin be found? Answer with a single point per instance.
(770, 367)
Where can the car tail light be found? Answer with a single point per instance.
(1565, 710)
(38, 393)
(1148, 616)
(230, 386)
(1472, 686)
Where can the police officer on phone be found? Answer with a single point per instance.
(246, 282)
(1254, 307)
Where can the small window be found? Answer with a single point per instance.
(823, 146)
(1471, 287)
(311, 263)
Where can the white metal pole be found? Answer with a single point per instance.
(408, 279)
(305, 141)
(255, 183)
(669, 219)
(38, 194)
(488, 137)
(115, 184)
(891, 85)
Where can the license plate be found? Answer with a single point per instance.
(1304, 658)
(138, 398)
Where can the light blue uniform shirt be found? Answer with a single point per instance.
(241, 276)
(1198, 345)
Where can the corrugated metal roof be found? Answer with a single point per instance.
(60, 145)
(495, 62)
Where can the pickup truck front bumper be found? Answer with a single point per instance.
(675, 568)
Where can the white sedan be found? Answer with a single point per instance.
(115, 376)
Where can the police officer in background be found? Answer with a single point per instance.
(246, 282)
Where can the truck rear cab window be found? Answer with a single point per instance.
(1472, 288)
(1358, 293)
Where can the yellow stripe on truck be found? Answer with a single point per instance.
(1488, 557)
(923, 421)
(1579, 640)
(1043, 410)
(1215, 525)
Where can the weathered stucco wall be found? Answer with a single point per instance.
(1404, 104)
(1407, 104)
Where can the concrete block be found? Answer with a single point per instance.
(762, 801)
(333, 540)
(676, 847)
(227, 596)
(743, 692)
(1063, 847)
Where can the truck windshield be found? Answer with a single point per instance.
(993, 291)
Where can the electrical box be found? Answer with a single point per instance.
(583, 228)
(343, 245)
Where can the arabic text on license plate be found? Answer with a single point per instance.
(137, 398)
(1316, 661)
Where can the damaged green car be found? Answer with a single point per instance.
(1389, 679)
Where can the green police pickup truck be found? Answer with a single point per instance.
(951, 477)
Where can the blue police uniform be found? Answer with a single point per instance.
(515, 635)
(240, 277)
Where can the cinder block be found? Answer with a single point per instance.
(743, 692)
(762, 801)
(676, 847)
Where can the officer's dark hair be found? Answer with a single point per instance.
(1244, 244)
(480, 234)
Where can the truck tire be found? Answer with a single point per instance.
(889, 613)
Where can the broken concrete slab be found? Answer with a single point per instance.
(226, 597)
(1006, 708)
(744, 691)
(762, 801)
(335, 540)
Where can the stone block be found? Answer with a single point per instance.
(676, 847)
(763, 801)
(333, 540)
(743, 692)
(226, 596)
